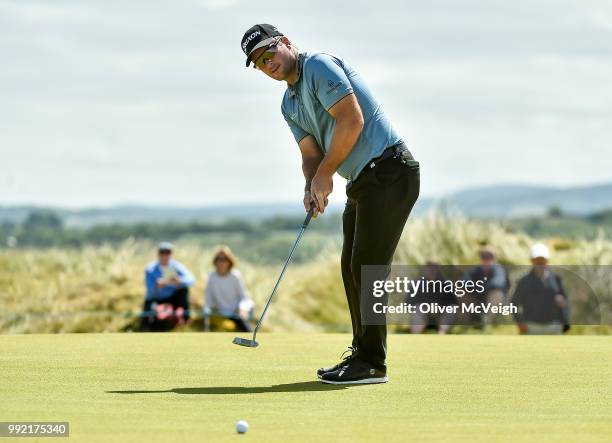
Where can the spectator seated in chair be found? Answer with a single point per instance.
(497, 285)
(167, 298)
(441, 322)
(541, 298)
(225, 295)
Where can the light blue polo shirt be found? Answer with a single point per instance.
(323, 80)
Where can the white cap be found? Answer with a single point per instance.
(540, 250)
(165, 246)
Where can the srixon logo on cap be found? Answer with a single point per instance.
(249, 38)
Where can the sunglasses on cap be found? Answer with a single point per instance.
(266, 56)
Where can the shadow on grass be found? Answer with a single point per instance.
(305, 386)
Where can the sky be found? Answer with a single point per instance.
(116, 102)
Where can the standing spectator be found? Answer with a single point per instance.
(225, 294)
(541, 298)
(167, 281)
(496, 285)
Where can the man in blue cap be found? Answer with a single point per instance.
(340, 127)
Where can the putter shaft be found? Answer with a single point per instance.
(239, 341)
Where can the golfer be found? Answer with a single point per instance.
(340, 127)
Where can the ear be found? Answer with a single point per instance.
(286, 41)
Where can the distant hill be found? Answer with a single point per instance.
(127, 214)
(500, 201)
(509, 201)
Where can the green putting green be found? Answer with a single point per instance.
(195, 386)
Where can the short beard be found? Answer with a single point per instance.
(296, 53)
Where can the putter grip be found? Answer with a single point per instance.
(308, 217)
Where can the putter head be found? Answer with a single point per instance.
(245, 342)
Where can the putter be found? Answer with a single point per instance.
(253, 343)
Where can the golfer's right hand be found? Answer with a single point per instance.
(309, 202)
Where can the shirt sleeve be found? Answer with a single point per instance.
(151, 284)
(245, 303)
(498, 280)
(518, 300)
(561, 287)
(565, 314)
(186, 278)
(209, 298)
(327, 79)
(298, 133)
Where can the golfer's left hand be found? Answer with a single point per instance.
(321, 186)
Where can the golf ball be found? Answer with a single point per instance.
(242, 426)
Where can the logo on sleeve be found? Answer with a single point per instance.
(333, 86)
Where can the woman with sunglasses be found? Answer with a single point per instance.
(225, 294)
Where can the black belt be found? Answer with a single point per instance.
(391, 151)
(396, 151)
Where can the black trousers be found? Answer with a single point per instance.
(377, 207)
(179, 298)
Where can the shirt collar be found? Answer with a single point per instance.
(546, 274)
(298, 70)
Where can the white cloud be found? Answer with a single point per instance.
(113, 101)
(219, 4)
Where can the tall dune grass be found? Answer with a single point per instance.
(101, 289)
